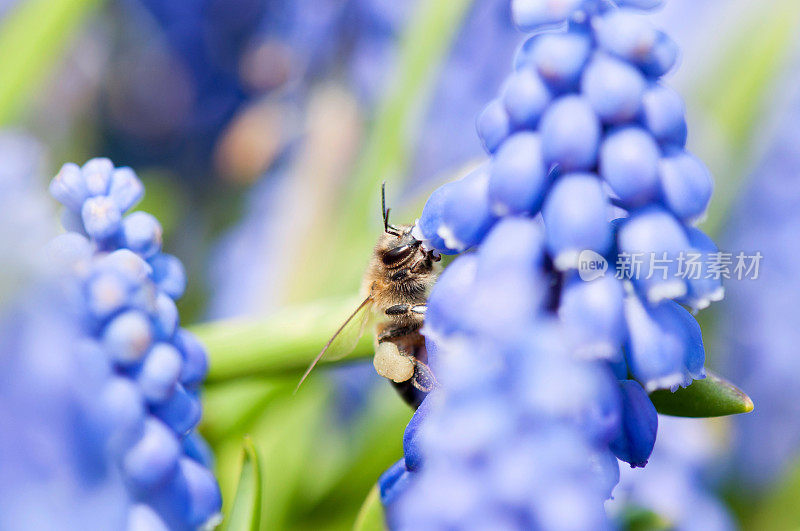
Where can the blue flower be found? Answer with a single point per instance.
(634, 442)
(528, 351)
(53, 468)
(146, 404)
(758, 333)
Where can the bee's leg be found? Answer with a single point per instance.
(423, 379)
(404, 273)
(406, 309)
(414, 390)
(398, 331)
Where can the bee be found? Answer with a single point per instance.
(395, 287)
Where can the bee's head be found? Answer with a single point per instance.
(396, 245)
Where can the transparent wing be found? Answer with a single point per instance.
(345, 339)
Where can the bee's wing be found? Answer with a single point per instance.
(344, 340)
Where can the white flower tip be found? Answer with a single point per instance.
(450, 240)
(666, 290)
(566, 260)
(670, 381)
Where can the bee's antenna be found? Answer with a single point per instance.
(389, 229)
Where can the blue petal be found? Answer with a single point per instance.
(127, 337)
(168, 274)
(575, 217)
(512, 244)
(606, 468)
(126, 189)
(663, 113)
(637, 434)
(466, 216)
(702, 290)
(613, 87)
(181, 411)
(195, 359)
(629, 164)
(626, 34)
(159, 372)
(153, 458)
(101, 217)
(570, 132)
(593, 312)
(658, 240)
(559, 58)
(525, 97)
(686, 185)
(529, 15)
(141, 233)
(518, 175)
(69, 188)
(493, 125)
(166, 317)
(451, 292)
(663, 57)
(393, 482)
(411, 437)
(97, 175)
(664, 349)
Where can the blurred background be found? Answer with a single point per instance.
(262, 130)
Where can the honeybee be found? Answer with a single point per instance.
(395, 289)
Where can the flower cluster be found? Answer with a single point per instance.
(585, 136)
(123, 288)
(521, 433)
(543, 374)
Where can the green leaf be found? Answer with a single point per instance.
(710, 397)
(32, 37)
(282, 344)
(370, 517)
(246, 511)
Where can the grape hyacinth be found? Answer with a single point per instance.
(552, 349)
(149, 370)
(586, 136)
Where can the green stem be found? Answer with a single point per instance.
(282, 344)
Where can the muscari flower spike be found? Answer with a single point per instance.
(590, 132)
(587, 155)
(125, 288)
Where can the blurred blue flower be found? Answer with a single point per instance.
(518, 434)
(677, 484)
(124, 379)
(758, 334)
(194, 79)
(53, 470)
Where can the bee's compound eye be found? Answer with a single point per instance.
(398, 254)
